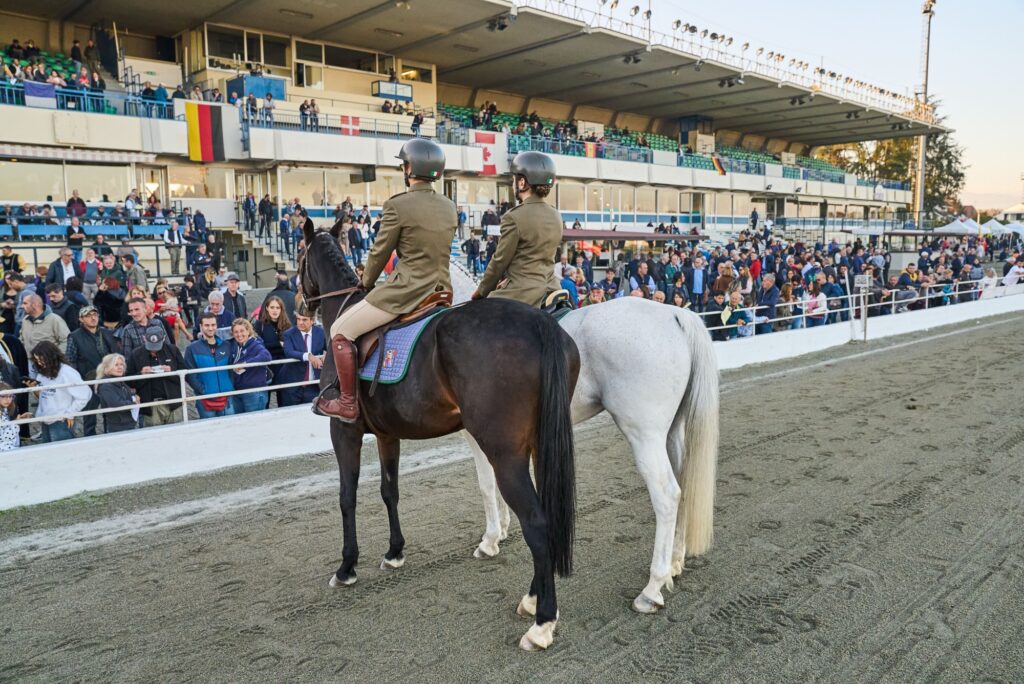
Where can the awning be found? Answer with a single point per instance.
(993, 227)
(75, 154)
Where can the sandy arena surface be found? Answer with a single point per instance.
(869, 528)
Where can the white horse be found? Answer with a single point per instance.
(652, 367)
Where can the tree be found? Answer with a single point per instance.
(895, 160)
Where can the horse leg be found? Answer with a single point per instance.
(653, 463)
(388, 450)
(493, 503)
(513, 477)
(676, 454)
(348, 443)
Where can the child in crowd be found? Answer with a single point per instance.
(9, 437)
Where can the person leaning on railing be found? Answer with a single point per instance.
(51, 369)
(210, 352)
(157, 357)
(115, 395)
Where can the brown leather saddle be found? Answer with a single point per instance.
(367, 343)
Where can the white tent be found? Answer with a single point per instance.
(972, 226)
(1015, 228)
(956, 227)
(993, 227)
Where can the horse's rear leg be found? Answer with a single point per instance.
(348, 443)
(513, 477)
(388, 449)
(495, 508)
(676, 453)
(663, 486)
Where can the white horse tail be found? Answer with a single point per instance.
(700, 409)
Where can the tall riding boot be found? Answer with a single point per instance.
(346, 407)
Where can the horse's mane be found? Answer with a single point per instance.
(331, 250)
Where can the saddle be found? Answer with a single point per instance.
(557, 303)
(368, 343)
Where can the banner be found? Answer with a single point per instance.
(590, 149)
(205, 132)
(718, 166)
(40, 95)
(487, 141)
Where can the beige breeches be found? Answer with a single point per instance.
(360, 318)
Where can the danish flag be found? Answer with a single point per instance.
(349, 125)
(485, 140)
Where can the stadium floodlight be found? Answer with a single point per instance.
(634, 10)
(403, 4)
(746, 46)
(704, 33)
(714, 36)
(739, 79)
(698, 64)
(676, 24)
(721, 84)
(728, 41)
(647, 15)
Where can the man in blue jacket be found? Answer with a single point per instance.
(209, 351)
(307, 344)
(767, 300)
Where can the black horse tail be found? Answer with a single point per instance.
(555, 465)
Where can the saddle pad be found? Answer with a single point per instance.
(396, 351)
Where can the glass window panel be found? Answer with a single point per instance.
(31, 182)
(224, 42)
(93, 182)
(411, 72)
(570, 196)
(596, 198)
(340, 186)
(724, 204)
(385, 63)
(347, 58)
(309, 52)
(477, 191)
(668, 201)
(252, 48)
(200, 182)
(275, 51)
(386, 185)
(645, 201)
(625, 198)
(305, 184)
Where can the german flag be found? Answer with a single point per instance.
(718, 166)
(590, 149)
(205, 132)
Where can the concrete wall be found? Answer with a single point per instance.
(48, 472)
(31, 126)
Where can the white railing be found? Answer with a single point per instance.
(183, 401)
(744, 57)
(856, 304)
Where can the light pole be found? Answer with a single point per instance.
(922, 143)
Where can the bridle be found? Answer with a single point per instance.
(345, 292)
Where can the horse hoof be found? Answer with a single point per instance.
(677, 567)
(393, 564)
(485, 551)
(527, 606)
(538, 637)
(347, 582)
(646, 605)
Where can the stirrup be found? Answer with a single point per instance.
(335, 385)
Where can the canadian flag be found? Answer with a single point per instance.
(349, 125)
(485, 140)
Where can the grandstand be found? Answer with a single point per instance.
(647, 126)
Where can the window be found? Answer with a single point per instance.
(420, 74)
(200, 182)
(31, 182)
(347, 58)
(93, 182)
(307, 76)
(340, 186)
(668, 202)
(275, 51)
(306, 184)
(570, 196)
(477, 191)
(645, 200)
(386, 185)
(224, 42)
(253, 53)
(309, 52)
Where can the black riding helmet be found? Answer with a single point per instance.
(536, 167)
(425, 157)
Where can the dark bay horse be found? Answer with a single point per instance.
(501, 370)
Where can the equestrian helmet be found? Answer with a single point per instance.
(536, 167)
(425, 157)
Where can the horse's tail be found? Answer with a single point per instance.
(555, 465)
(700, 412)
